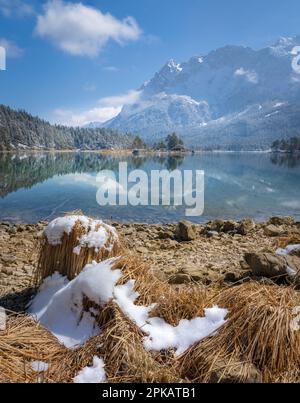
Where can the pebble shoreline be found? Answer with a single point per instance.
(214, 254)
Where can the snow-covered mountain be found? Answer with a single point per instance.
(234, 97)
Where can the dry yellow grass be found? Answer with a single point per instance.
(22, 342)
(61, 258)
(258, 331)
(256, 344)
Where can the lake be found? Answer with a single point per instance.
(237, 185)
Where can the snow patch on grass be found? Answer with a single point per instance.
(96, 236)
(93, 374)
(58, 306)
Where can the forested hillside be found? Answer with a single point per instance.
(20, 130)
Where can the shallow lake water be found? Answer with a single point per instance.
(237, 185)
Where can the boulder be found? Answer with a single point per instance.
(12, 230)
(230, 278)
(195, 273)
(165, 234)
(179, 278)
(212, 234)
(246, 226)
(232, 371)
(272, 230)
(266, 264)
(222, 226)
(244, 265)
(229, 226)
(186, 231)
(281, 221)
(216, 225)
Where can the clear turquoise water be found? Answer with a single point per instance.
(237, 185)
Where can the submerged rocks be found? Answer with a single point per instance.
(186, 231)
(266, 264)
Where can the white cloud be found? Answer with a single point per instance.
(107, 108)
(250, 76)
(12, 50)
(129, 98)
(17, 8)
(73, 118)
(83, 30)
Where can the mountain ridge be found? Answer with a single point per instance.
(207, 91)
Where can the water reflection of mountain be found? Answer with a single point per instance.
(26, 170)
(286, 160)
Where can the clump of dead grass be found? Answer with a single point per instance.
(172, 304)
(22, 342)
(258, 331)
(62, 259)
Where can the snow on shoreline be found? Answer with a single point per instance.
(58, 307)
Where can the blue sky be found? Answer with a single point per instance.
(72, 62)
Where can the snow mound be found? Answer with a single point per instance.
(59, 304)
(59, 307)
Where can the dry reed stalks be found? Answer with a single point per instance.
(258, 331)
(22, 342)
(172, 305)
(61, 258)
(121, 346)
